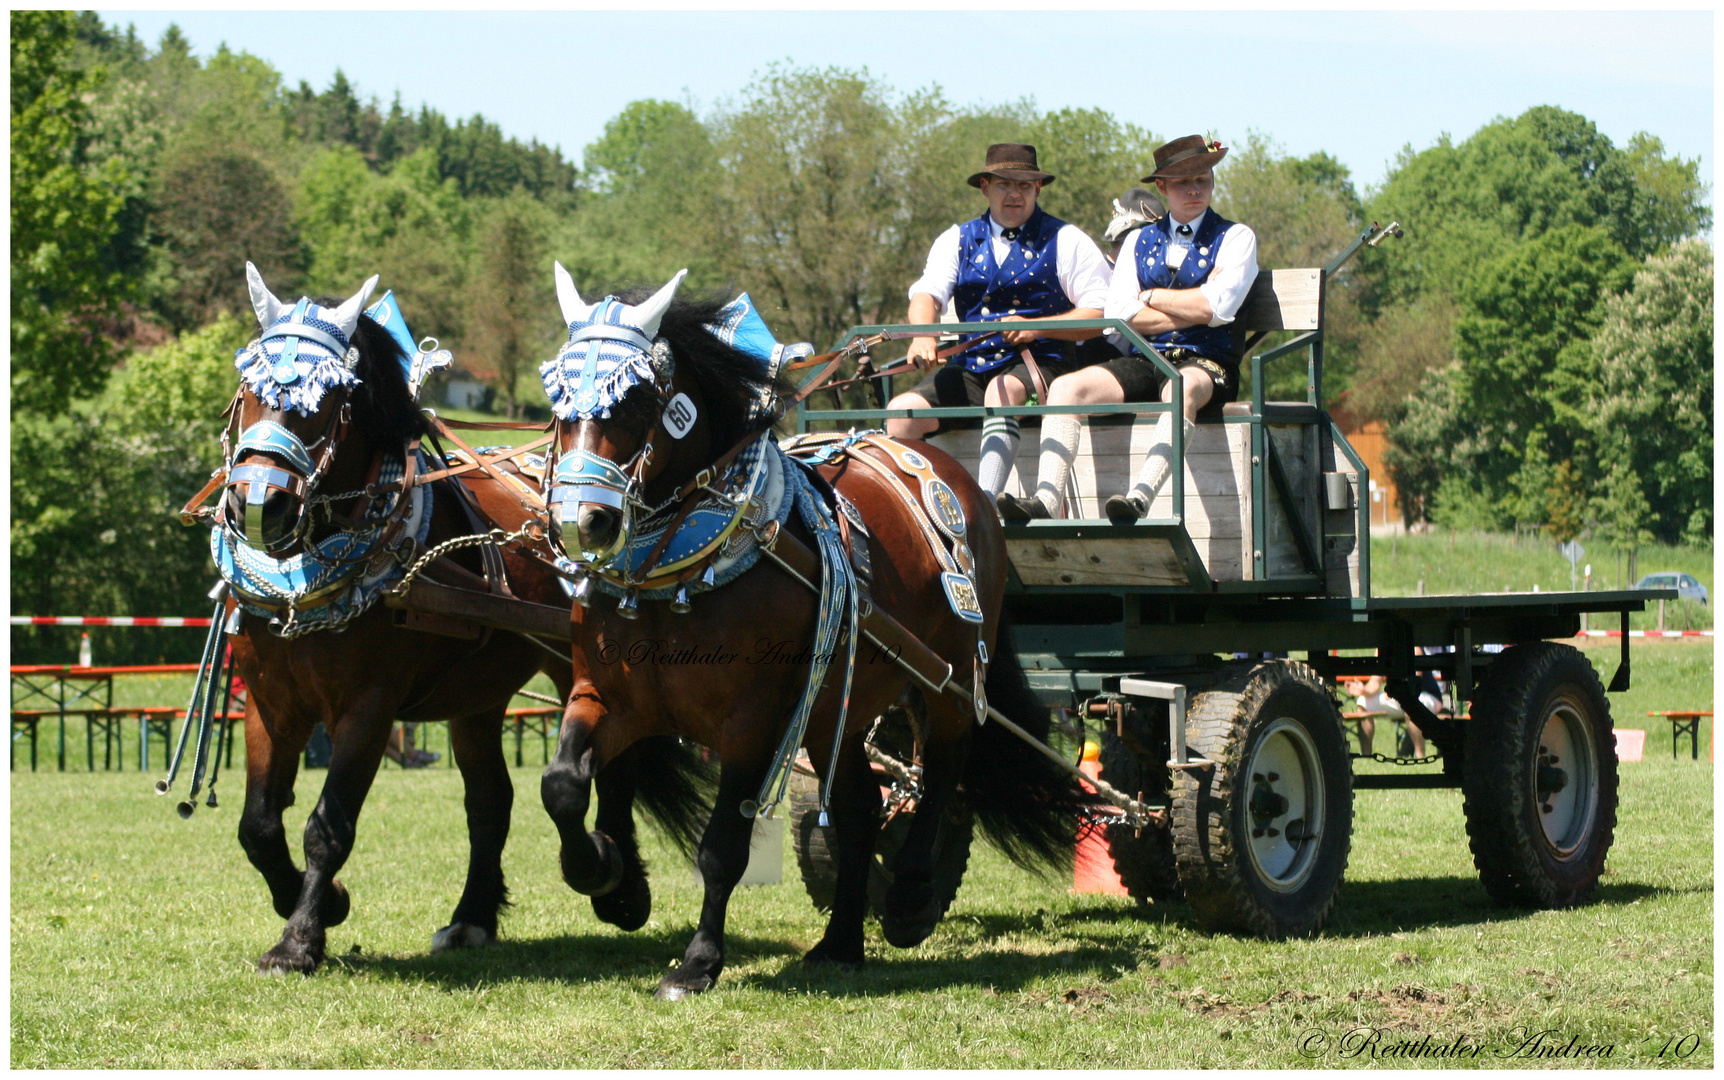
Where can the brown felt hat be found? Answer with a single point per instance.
(1011, 161)
(1190, 156)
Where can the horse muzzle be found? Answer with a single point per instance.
(269, 489)
(592, 494)
(264, 506)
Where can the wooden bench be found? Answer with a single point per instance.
(28, 720)
(542, 719)
(1684, 722)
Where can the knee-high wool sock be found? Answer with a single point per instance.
(1158, 466)
(1054, 468)
(999, 452)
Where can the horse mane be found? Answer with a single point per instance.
(730, 379)
(383, 407)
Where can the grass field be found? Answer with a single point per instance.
(134, 936)
(1451, 562)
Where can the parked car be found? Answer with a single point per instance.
(1684, 584)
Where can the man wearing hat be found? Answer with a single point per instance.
(1178, 281)
(1014, 264)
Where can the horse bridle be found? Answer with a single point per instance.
(298, 478)
(577, 476)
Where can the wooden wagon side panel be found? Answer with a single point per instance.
(1217, 486)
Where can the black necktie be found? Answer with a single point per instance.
(1183, 230)
(1011, 234)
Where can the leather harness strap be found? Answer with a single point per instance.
(887, 633)
(1041, 384)
(480, 463)
(527, 497)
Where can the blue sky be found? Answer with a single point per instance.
(1360, 85)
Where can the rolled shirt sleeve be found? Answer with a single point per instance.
(940, 275)
(1235, 271)
(1082, 269)
(1122, 288)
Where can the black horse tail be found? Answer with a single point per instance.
(675, 785)
(1027, 806)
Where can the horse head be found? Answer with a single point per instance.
(316, 373)
(645, 396)
(610, 385)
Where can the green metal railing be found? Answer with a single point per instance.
(897, 331)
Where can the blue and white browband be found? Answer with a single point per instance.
(294, 361)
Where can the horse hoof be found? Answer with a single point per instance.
(673, 991)
(628, 905)
(827, 955)
(460, 936)
(580, 877)
(333, 909)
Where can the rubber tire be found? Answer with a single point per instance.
(1144, 860)
(1211, 821)
(820, 869)
(1515, 861)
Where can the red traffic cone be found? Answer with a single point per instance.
(1092, 868)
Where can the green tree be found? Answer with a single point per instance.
(1623, 514)
(64, 216)
(411, 225)
(1429, 444)
(215, 212)
(1651, 398)
(96, 492)
(1095, 159)
(510, 325)
(1523, 366)
(810, 211)
(1397, 352)
(652, 178)
(1669, 198)
(1304, 212)
(1466, 204)
(1526, 317)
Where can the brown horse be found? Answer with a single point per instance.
(294, 489)
(730, 671)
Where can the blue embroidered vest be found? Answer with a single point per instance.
(1214, 342)
(1026, 284)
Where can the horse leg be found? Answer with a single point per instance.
(478, 747)
(358, 740)
(723, 858)
(270, 768)
(592, 864)
(912, 907)
(855, 812)
(628, 905)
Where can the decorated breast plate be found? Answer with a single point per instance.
(942, 504)
(961, 594)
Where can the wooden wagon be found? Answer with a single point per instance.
(1174, 635)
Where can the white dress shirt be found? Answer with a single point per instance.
(1078, 263)
(1225, 288)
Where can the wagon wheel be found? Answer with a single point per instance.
(1261, 837)
(893, 735)
(1143, 858)
(1540, 777)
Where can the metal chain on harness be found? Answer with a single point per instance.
(496, 536)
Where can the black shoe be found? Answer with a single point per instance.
(1015, 510)
(1124, 509)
